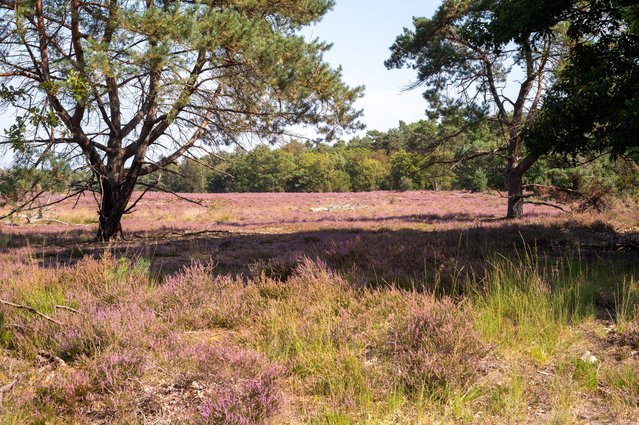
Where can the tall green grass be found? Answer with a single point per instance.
(517, 308)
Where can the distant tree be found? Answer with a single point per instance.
(219, 176)
(340, 181)
(390, 141)
(189, 176)
(315, 172)
(404, 168)
(261, 170)
(483, 173)
(130, 86)
(365, 173)
(474, 179)
(466, 61)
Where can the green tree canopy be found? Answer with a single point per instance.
(261, 170)
(594, 104)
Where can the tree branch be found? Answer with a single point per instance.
(177, 195)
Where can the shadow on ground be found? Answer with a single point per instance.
(398, 256)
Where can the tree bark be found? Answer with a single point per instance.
(516, 171)
(515, 193)
(115, 198)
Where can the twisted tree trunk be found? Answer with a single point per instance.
(115, 198)
(516, 171)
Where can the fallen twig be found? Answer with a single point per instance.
(31, 310)
(547, 204)
(6, 388)
(66, 307)
(31, 220)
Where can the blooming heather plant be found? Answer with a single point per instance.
(196, 299)
(249, 402)
(96, 328)
(118, 370)
(68, 392)
(435, 348)
(112, 315)
(241, 385)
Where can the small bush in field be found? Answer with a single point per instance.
(99, 327)
(434, 347)
(196, 299)
(243, 384)
(68, 392)
(250, 402)
(116, 370)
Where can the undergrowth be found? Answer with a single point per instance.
(309, 346)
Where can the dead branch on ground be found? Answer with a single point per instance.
(31, 310)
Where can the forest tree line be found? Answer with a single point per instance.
(391, 160)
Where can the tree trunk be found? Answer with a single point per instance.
(115, 198)
(515, 193)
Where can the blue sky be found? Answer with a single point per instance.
(362, 32)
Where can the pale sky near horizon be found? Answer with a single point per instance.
(362, 32)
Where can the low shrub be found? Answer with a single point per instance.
(68, 394)
(117, 370)
(98, 327)
(241, 385)
(435, 348)
(196, 299)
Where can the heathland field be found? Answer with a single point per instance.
(376, 308)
